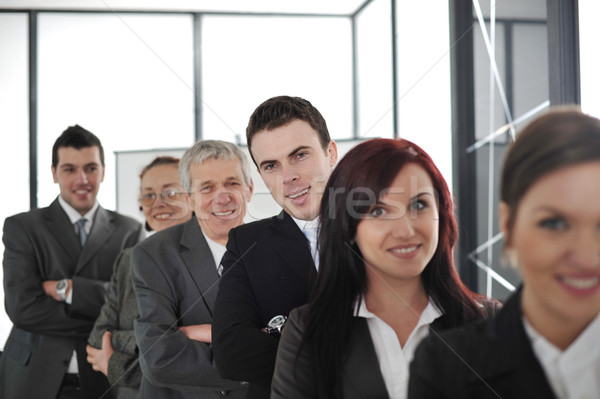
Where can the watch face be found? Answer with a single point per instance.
(277, 321)
(62, 284)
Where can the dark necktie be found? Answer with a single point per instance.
(81, 231)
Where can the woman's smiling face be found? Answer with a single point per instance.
(556, 241)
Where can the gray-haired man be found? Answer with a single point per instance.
(176, 274)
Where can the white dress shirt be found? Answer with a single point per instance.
(217, 250)
(394, 359)
(575, 372)
(74, 217)
(312, 237)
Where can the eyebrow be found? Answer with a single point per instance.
(162, 187)
(291, 154)
(419, 195)
(70, 165)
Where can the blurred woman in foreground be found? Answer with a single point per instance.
(544, 343)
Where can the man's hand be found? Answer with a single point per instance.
(50, 288)
(198, 332)
(99, 358)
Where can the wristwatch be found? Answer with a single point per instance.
(61, 289)
(276, 324)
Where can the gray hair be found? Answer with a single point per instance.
(211, 149)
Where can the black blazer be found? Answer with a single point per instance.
(267, 271)
(360, 375)
(489, 359)
(42, 245)
(176, 281)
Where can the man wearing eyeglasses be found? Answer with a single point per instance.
(176, 274)
(57, 263)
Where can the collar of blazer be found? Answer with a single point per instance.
(290, 244)
(199, 261)
(60, 227)
(510, 354)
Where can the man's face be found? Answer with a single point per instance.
(79, 174)
(219, 196)
(294, 166)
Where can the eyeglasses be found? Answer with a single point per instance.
(167, 196)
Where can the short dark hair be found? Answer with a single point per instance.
(562, 137)
(78, 138)
(281, 110)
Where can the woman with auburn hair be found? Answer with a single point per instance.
(544, 343)
(386, 275)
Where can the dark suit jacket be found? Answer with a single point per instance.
(176, 282)
(117, 315)
(361, 374)
(42, 245)
(267, 271)
(489, 359)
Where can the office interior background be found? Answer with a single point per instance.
(457, 77)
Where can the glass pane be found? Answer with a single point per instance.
(14, 117)
(423, 70)
(589, 32)
(374, 63)
(247, 59)
(517, 92)
(126, 78)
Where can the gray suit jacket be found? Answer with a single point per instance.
(176, 282)
(42, 245)
(117, 316)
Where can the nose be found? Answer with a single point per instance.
(159, 201)
(289, 174)
(82, 177)
(223, 197)
(403, 227)
(586, 250)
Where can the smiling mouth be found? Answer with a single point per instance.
(226, 213)
(581, 283)
(81, 192)
(406, 250)
(163, 216)
(299, 194)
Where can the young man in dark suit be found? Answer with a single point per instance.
(57, 263)
(270, 263)
(176, 278)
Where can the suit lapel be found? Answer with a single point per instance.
(60, 227)
(199, 261)
(512, 358)
(286, 238)
(102, 229)
(361, 367)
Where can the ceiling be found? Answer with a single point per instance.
(335, 7)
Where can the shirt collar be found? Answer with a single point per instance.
(217, 249)
(429, 314)
(74, 216)
(302, 224)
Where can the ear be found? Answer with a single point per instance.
(332, 153)
(251, 188)
(54, 173)
(102, 177)
(503, 217)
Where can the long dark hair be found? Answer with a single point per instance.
(370, 168)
